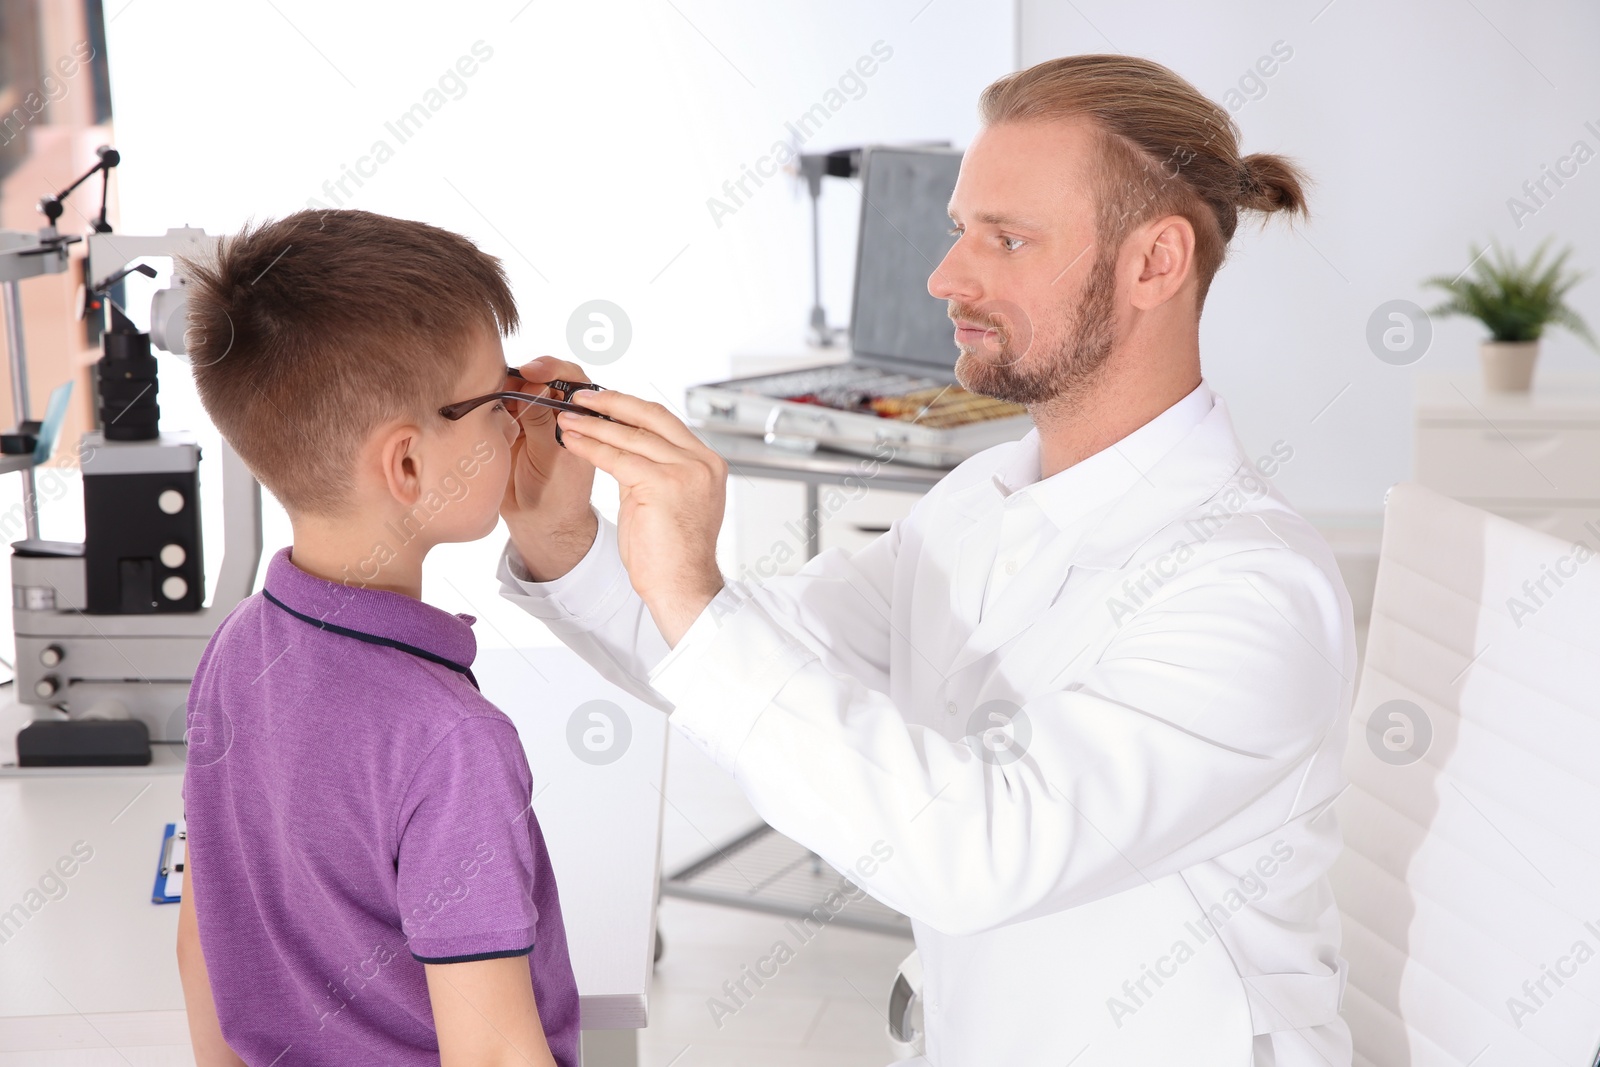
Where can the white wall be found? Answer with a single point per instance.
(585, 149)
(1418, 119)
(582, 152)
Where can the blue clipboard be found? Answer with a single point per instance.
(169, 867)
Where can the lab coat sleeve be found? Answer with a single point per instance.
(594, 610)
(1213, 696)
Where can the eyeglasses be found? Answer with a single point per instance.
(516, 400)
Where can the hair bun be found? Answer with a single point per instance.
(1269, 183)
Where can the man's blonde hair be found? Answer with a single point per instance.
(1165, 149)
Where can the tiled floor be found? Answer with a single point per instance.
(824, 1006)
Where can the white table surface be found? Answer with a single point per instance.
(103, 947)
(1555, 397)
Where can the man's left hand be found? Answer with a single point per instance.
(673, 487)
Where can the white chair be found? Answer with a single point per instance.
(1470, 882)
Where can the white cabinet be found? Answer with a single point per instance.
(1532, 457)
(860, 515)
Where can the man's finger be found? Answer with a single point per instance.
(636, 411)
(627, 438)
(628, 468)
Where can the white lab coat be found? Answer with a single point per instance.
(1138, 874)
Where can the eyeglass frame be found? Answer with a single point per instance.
(461, 407)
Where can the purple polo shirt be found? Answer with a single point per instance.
(356, 808)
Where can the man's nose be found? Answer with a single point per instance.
(951, 280)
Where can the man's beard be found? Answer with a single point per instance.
(1015, 374)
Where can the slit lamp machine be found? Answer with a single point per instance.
(109, 631)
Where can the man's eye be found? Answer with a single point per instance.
(1011, 243)
(954, 231)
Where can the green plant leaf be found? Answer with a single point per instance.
(1516, 301)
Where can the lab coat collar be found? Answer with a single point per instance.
(1105, 507)
(1162, 458)
(1069, 495)
(1193, 471)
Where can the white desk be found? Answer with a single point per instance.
(102, 950)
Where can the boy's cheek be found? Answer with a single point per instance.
(489, 487)
(495, 471)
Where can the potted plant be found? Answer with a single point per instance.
(1516, 301)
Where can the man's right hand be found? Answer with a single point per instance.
(546, 504)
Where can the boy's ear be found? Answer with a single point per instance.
(401, 461)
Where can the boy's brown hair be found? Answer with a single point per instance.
(308, 332)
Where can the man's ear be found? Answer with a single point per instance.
(1165, 248)
(400, 457)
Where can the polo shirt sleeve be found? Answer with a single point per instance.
(466, 868)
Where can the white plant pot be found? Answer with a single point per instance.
(1508, 365)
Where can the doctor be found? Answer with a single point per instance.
(1092, 692)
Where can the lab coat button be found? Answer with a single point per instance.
(950, 707)
(1011, 566)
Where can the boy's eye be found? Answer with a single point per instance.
(500, 405)
(954, 231)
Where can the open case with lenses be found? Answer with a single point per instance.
(897, 390)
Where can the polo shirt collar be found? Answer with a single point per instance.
(378, 616)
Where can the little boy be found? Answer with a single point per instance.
(367, 883)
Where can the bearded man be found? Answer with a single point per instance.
(1080, 714)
